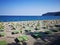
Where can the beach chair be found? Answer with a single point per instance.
(2, 34)
(3, 42)
(15, 32)
(22, 38)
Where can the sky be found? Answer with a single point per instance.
(28, 7)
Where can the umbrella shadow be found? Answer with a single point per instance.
(38, 43)
(13, 44)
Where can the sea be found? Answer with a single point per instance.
(27, 18)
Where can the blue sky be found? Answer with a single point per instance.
(28, 7)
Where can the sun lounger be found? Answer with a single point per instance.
(15, 32)
(22, 38)
(2, 34)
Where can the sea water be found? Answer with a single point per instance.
(27, 18)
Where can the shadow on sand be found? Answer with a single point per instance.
(38, 43)
(17, 43)
(13, 44)
(56, 42)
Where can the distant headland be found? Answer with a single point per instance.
(52, 14)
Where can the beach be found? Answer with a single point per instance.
(12, 30)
